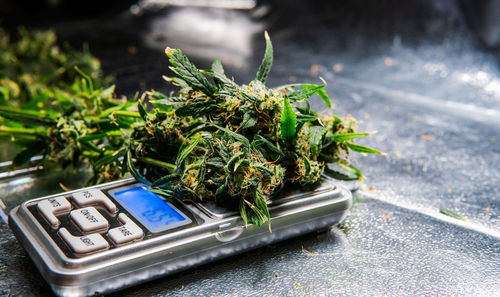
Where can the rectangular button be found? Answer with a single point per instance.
(127, 232)
(84, 244)
(94, 197)
(89, 220)
(51, 207)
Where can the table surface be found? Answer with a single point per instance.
(414, 73)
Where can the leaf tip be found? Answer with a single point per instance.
(169, 51)
(266, 35)
(323, 81)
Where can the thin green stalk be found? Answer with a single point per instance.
(170, 167)
(126, 114)
(15, 131)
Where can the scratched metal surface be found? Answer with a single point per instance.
(413, 72)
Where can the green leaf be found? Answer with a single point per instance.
(249, 120)
(196, 109)
(241, 162)
(220, 77)
(135, 173)
(259, 140)
(267, 61)
(216, 162)
(304, 93)
(184, 151)
(338, 175)
(189, 73)
(235, 135)
(348, 136)
(107, 159)
(302, 119)
(165, 181)
(87, 78)
(315, 135)
(260, 201)
(362, 149)
(260, 218)
(288, 121)
(321, 93)
(351, 169)
(243, 212)
(142, 110)
(231, 164)
(92, 137)
(27, 117)
(305, 111)
(451, 214)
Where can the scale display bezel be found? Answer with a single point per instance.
(133, 211)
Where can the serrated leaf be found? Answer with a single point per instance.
(241, 162)
(189, 73)
(265, 171)
(216, 162)
(302, 119)
(304, 93)
(288, 121)
(230, 165)
(315, 135)
(196, 109)
(321, 93)
(267, 61)
(305, 111)
(235, 135)
(220, 77)
(184, 151)
(249, 120)
(259, 140)
(362, 149)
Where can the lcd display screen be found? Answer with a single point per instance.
(150, 209)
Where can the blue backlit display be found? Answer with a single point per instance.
(152, 211)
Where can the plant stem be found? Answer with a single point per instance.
(166, 165)
(125, 113)
(14, 131)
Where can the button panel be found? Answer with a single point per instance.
(89, 220)
(128, 232)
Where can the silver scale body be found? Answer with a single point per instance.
(217, 234)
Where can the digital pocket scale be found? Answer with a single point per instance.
(111, 236)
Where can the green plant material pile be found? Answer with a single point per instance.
(34, 68)
(213, 139)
